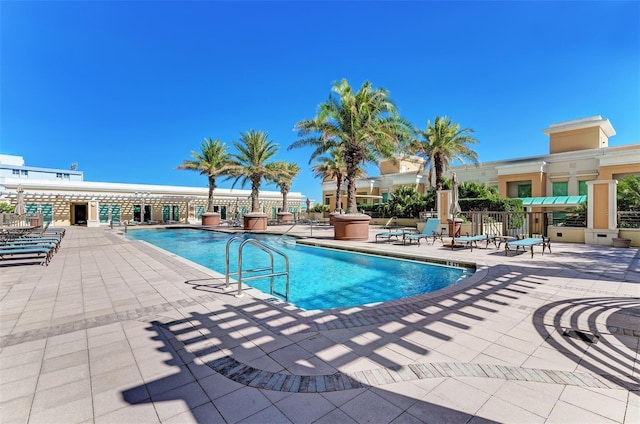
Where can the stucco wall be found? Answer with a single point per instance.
(569, 141)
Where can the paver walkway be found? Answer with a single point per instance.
(118, 331)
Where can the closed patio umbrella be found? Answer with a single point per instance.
(21, 208)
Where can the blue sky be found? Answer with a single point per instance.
(129, 89)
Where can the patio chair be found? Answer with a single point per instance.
(472, 241)
(430, 230)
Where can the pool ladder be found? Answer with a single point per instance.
(242, 272)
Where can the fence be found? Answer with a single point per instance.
(509, 223)
(13, 220)
(629, 219)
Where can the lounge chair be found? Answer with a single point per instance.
(54, 231)
(430, 230)
(528, 242)
(388, 234)
(472, 241)
(31, 242)
(9, 253)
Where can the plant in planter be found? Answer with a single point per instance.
(285, 173)
(249, 164)
(361, 126)
(212, 161)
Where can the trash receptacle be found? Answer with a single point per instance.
(454, 227)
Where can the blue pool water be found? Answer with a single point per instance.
(320, 278)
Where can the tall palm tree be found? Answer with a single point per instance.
(441, 143)
(285, 173)
(250, 163)
(212, 161)
(363, 125)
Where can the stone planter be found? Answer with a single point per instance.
(621, 242)
(211, 219)
(255, 221)
(331, 217)
(285, 217)
(351, 227)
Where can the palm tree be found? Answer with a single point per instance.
(212, 161)
(362, 126)
(331, 167)
(441, 143)
(250, 163)
(285, 173)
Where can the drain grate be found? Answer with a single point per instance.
(581, 335)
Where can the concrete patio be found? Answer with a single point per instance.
(118, 331)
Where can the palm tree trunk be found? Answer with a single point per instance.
(284, 200)
(212, 187)
(438, 164)
(339, 181)
(255, 202)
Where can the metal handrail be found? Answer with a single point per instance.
(265, 248)
(285, 233)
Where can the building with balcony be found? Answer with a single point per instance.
(579, 152)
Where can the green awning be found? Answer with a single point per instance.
(553, 201)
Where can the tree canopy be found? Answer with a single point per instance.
(362, 126)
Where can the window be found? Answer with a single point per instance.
(103, 213)
(47, 212)
(199, 211)
(582, 188)
(327, 200)
(560, 188)
(115, 213)
(524, 190)
(171, 213)
(15, 172)
(24, 172)
(62, 176)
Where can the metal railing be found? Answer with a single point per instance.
(10, 219)
(629, 219)
(257, 273)
(512, 224)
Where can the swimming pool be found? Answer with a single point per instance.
(320, 278)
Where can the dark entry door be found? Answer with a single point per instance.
(80, 212)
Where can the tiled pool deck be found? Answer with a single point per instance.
(116, 331)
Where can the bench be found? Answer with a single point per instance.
(528, 242)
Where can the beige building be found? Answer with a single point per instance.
(580, 165)
(64, 198)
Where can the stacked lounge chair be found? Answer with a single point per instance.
(23, 245)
